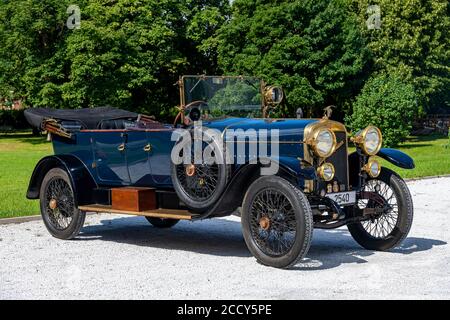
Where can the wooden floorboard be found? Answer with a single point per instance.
(158, 213)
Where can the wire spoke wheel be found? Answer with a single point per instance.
(388, 212)
(59, 203)
(273, 222)
(203, 181)
(202, 177)
(277, 222)
(380, 226)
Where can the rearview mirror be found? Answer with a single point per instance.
(273, 95)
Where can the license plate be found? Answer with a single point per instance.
(343, 198)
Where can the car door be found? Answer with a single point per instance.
(160, 155)
(138, 151)
(110, 157)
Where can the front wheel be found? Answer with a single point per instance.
(277, 222)
(58, 206)
(385, 230)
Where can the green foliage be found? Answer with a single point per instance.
(309, 47)
(13, 119)
(130, 53)
(126, 54)
(413, 40)
(237, 98)
(388, 103)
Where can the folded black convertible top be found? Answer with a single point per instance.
(88, 118)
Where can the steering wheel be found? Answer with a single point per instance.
(193, 111)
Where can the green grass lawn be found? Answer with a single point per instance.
(19, 154)
(429, 154)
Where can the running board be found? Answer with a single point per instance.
(156, 213)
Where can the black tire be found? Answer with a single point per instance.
(64, 221)
(202, 190)
(383, 238)
(162, 223)
(263, 220)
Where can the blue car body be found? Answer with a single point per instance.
(94, 162)
(283, 176)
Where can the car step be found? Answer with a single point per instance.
(155, 213)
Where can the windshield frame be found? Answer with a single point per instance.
(255, 80)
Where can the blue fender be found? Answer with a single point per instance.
(295, 167)
(82, 181)
(292, 165)
(396, 157)
(289, 168)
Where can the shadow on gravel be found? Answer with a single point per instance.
(212, 237)
(329, 248)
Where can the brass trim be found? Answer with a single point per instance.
(311, 128)
(368, 165)
(190, 170)
(361, 137)
(53, 204)
(313, 142)
(321, 169)
(309, 155)
(148, 148)
(264, 223)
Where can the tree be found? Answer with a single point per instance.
(30, 34)
(413, 41)
(126, 53)
(389, 103)
(310, 47)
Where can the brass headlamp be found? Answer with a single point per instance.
(369, 140)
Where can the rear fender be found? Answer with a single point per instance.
(82, 180)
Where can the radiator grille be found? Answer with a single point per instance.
(339, 159)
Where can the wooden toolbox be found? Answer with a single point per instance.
(133, 199)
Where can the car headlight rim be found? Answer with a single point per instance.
(373, 163)
(316, 142)
(361, 140)
(323, 169)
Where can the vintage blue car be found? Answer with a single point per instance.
(224, 155)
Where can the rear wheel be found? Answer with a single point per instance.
(276, 222)
(58, 206)
(162, 223)
(385, 230)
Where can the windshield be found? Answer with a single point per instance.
(224, 96)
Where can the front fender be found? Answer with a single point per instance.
(292, 166)
(82, 181)
(289, 168)
(396, 157)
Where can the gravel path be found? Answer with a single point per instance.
(123, 257)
